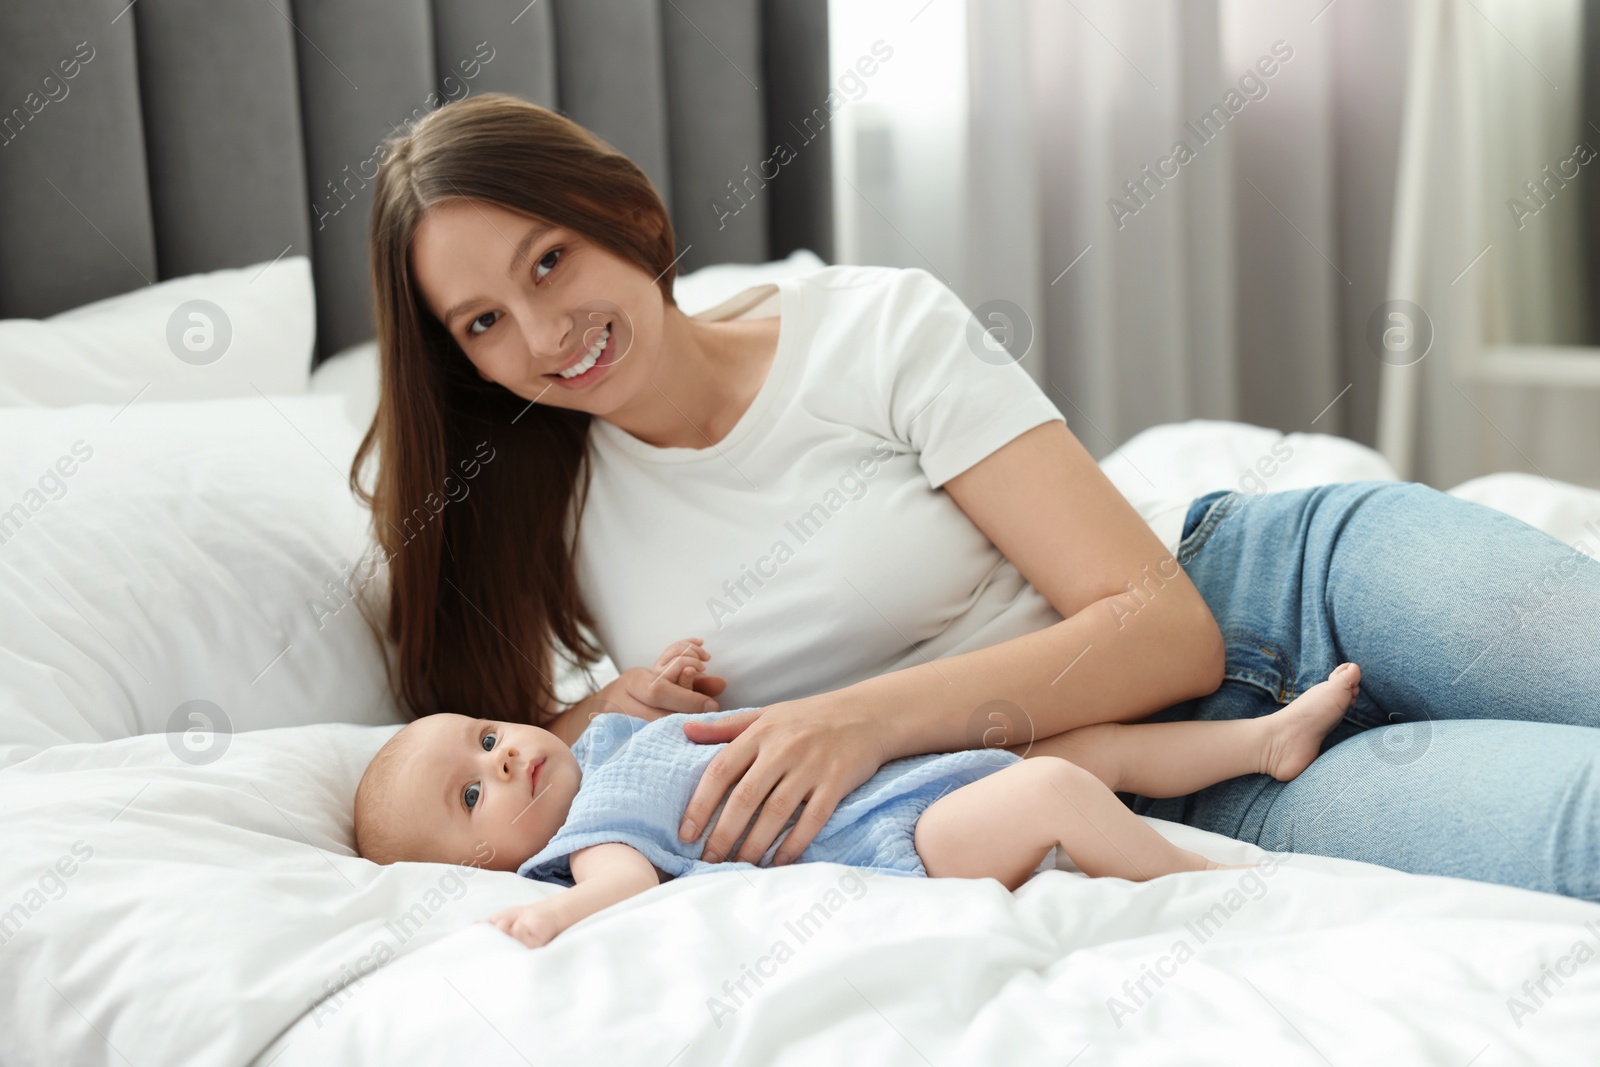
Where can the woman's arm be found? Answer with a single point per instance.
(1135, 636)
(604, 875)
(1051, 510)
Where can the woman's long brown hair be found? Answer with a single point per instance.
(475, 487)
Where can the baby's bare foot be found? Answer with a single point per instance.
(1295, 731)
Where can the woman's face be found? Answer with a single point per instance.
(527, 300)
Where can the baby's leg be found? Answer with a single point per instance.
(1002, 826)
(1174, 759)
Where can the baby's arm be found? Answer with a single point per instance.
(605, 875)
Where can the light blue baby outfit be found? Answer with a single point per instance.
(638, 777)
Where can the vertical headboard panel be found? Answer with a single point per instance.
(619, 98)
(714, 110)
(365, 66)
(222, 134)
(194, 135)
(521, 33)
(75, 217)
(794, 55)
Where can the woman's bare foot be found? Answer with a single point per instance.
(1295, 731)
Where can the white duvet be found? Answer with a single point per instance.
(192, 897)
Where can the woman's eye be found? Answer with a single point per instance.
(547, 263)
(470, 795)
(541, 270)
(488, 741)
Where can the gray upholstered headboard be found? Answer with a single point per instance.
(155, 139)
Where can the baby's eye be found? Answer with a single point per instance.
(470, 795)
(472, 327)
(488, 742)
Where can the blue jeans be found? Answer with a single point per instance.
(1473, 749)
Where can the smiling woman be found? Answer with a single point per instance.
(496, 173)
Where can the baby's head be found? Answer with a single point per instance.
(450, 789)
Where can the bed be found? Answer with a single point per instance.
(188, 696)
(186, 709)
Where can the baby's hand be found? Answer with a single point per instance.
(681, 661)
(533, 924)
(677, 682)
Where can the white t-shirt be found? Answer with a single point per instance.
(812, 547)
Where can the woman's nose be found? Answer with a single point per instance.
(547, 338)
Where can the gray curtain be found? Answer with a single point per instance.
(1239, 286)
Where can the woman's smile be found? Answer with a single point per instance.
(588, 366)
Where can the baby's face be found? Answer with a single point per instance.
(471, 783)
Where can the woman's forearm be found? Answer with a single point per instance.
(1103, 664)
(570, 723)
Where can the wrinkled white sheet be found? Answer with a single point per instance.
(1320, 961)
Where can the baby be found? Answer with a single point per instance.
(602, 816)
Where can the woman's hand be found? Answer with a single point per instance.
(811, 751)
(677, 682)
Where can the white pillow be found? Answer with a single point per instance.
(707, 287)
(192, 912)
(1567, 512)
(353, 375)
(226, 333)
(179, 552)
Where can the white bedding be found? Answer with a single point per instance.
(215, 912)
(1319, 962)
(196, 552)
(1312, 961)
